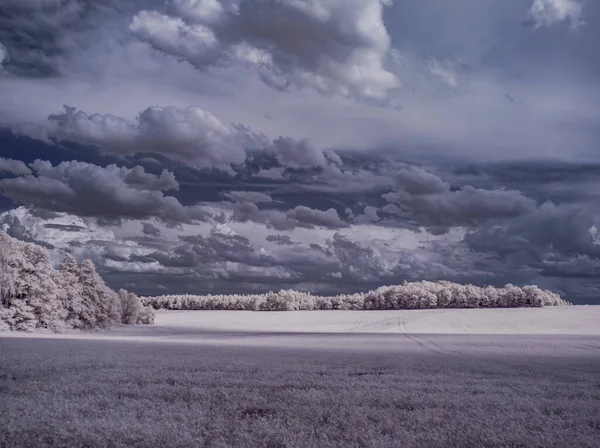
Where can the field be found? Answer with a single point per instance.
(488, 378)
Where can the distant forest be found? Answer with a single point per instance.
(416, 295)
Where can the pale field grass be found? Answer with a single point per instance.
(111, 393)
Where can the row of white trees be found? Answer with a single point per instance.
(417, 295)
(35, 296)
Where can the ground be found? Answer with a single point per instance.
(317, 379)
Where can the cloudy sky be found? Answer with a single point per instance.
(324, 145)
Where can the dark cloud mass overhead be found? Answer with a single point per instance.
(194, 146)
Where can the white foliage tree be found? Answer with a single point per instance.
(416, 295)
(132, 309)
(103, 304)
(35, 296)
(28, 287)
(78, 316)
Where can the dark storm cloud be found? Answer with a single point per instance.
(218, 256)
(342, 265)
(150, 229)
(356, 261)
(40, 34)
(369, 215)
(547, 233)
(222, 247)
(89, 190)
(138, 178)
(13, 167)
(191, 135)
(282, 240)
(247, 196)
(557, 181)
(65, 227)
(435, 202)
(299, 216)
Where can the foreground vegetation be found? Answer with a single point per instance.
(35, 296)
(73, 393)
(417, 295)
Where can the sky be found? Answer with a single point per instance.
(331, 146)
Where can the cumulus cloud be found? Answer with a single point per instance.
(13, 167)
(298, 153)
(137, 177)
(357, 261)
(551, 12)
(89, 190)
(247, 196)
(428, 198)
(369, 215)
(108, 130)
(211, 252)
(299, 216)
(334, 46)
(195, 43)
(311, 217)
(190, 135)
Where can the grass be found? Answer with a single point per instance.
(74, 393)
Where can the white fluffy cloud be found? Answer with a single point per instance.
(332, 46)
(551, 12)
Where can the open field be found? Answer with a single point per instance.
(317, 379)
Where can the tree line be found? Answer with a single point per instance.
(35, 296)
(409, 295)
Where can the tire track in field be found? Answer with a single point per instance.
(427, 345)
